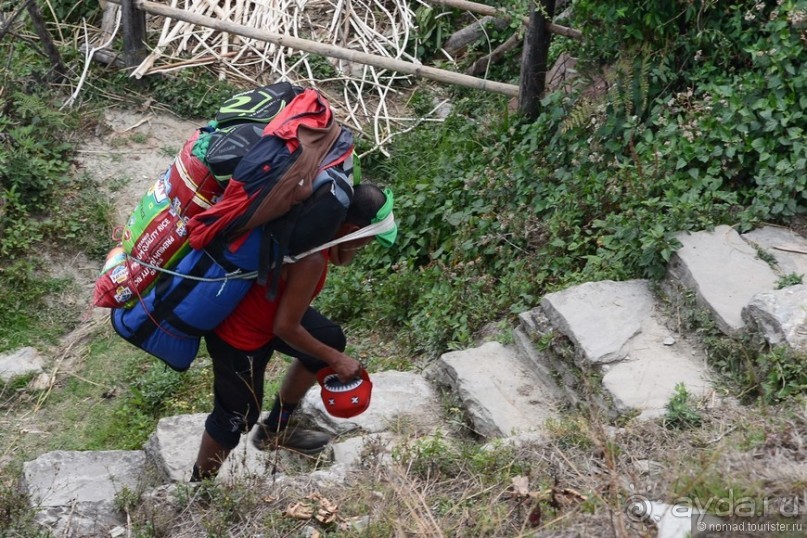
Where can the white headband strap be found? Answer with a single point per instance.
(368, 231)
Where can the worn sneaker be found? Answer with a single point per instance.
(292, 438)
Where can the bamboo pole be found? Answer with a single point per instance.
(322, 49)
(483, 9)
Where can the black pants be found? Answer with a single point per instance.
(238, 377)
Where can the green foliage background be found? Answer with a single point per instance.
(701, 122)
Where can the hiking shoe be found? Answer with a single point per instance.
(292, 438)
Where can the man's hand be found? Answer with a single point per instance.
(346, 368)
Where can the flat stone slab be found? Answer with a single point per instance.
(724, 272)
(786, 246)
(397, 397)
(74, 492)
(600, 317)
(354, 451)
(781, 316)
(22, 362)
(501, 395)
(175, 443)
(617, 327)
(646, 380)
(62, 477)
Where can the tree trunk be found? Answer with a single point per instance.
(534, 59)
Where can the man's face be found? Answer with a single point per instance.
(343, 253)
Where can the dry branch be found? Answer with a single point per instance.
(481, 65)
(47, 41)
(379, 29)
(474, 31)
(483, 9)
(9, 21)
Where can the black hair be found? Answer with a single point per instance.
(367, 200)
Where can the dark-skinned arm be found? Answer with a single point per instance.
(301, 282)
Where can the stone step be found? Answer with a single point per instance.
(501, 395)
(173, 446)
(612, 333)
(534, 338)
(398, 398)
(355, 451)
(787, 248)
(725, 273)
(538, 360)
(620, 332)
(780, 316)
(554, 354)
(74, 491)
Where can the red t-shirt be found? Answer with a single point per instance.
(250, 325)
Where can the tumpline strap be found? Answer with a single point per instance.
(368, 231)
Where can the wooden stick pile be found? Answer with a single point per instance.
(380, 27)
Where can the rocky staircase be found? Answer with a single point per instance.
(615, 345)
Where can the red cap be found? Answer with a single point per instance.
(344, 400)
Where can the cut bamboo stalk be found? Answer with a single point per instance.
(108, 21)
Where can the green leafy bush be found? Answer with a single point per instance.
(462, 236)
(699, 121)
(667, 149)
(34, 155)
(783, 373)
(69, 11)
(434, 26)
(36, 152)
(191, 94)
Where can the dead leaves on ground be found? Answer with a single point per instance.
(561, 499)
(326, 512)
(314, 506)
